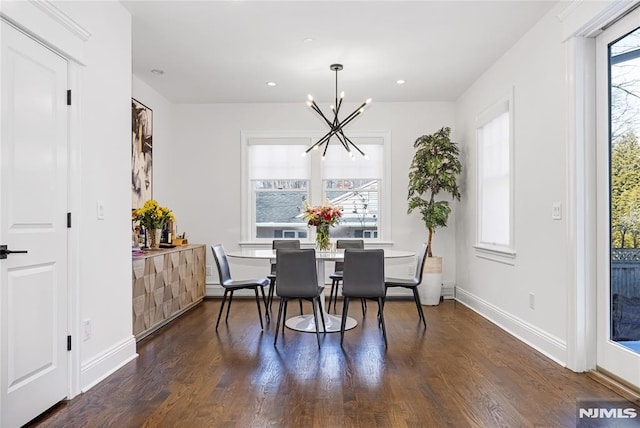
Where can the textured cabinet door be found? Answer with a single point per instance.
(166, 283)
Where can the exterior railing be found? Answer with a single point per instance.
(625, 272)
(625, 292)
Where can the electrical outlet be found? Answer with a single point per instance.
(209, 271)
(86, 330)
(532, 300)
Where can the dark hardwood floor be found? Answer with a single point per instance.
(461, 371)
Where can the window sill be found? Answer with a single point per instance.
(369, 243)
(496, 254)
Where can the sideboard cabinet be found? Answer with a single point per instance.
(166, 283)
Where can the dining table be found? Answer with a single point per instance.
(306, 322)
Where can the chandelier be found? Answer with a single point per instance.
(336, 126)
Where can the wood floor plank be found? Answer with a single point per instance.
(462, 371)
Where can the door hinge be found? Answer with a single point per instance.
(68, 343)
(68, 97)
(68, 220)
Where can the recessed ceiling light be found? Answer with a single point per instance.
(157, 71)
(271, 83)
(400, 82)
(308, 39)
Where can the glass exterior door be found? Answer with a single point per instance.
(618, 199)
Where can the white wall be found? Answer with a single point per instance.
(535, 69)
(200, 167)
(104, 103)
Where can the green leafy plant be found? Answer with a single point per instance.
(434, 169)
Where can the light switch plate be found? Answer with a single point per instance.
(100, 210)
(556, 211)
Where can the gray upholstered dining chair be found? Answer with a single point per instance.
(298, 279)
(279, 244)
(363, 278)
(336, 276)
(414, 282)
(230, 285)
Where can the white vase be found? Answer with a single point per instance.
(431, 288)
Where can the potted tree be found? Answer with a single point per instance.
(434, 169)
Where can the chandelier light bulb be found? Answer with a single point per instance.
(342, 95)
(309, 103)
(368, 101)
(309, 97)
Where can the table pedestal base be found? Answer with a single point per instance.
(306, 323)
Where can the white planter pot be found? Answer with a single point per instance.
(431, 288)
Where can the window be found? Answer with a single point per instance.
(278, 181)
(495, 237)
(356, 188)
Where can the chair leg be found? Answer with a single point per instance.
(315, 317)
(224, 298)
(284, 315)
(280, 306)
(345, 309)
(226, 319)
(335, 301)
(272, 287)
(300, 301)
(266, 306)
(334, 289)
(363, 302)
(381, 312)
(255, 289)
(324, 325)
(416, 297)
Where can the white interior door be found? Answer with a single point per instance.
(33, 207)
(618, 198)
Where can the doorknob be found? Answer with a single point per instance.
(4, 252)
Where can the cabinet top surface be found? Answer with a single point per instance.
(162, 251)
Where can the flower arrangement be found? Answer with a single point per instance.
(152, 215)
(322, 217)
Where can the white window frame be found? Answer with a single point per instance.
(316, 179)
(492, 251)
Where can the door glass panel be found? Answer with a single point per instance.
(624, 155)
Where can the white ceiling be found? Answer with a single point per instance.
(226, 51)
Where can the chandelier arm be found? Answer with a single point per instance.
(324, 138)
(340, 135)
(315, 107)
(353, 144)
(348, 119)
(326, 146)
(352, 116)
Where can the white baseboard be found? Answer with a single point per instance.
(549, 345)
(99, 368)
